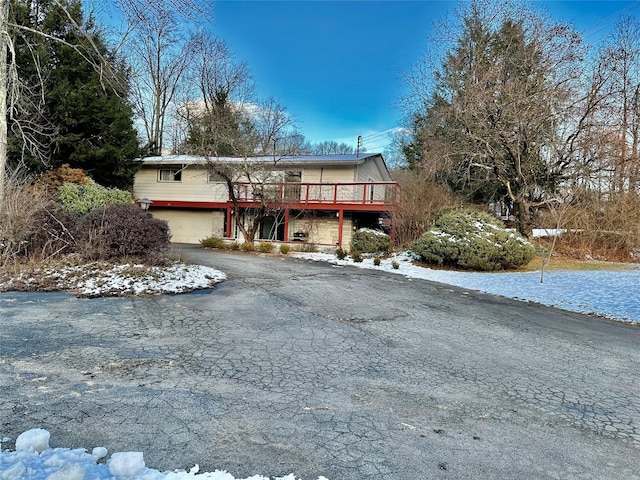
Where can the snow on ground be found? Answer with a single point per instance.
(99, 279)
(609, 293)
(33, 459)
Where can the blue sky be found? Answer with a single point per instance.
(337, 65)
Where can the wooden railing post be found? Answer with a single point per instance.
(287, 193)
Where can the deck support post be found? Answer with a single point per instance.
(340, 226)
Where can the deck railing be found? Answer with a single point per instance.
(357, 193)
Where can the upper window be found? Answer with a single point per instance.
(293, 176)
(169, 175)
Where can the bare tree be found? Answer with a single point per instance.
(331, 147)
(5, 84)
(229, 129)
(213, 108)
(158, 52)
(16, 96)
(619, 62)
(254, 183)
(273, 127)
(21, 102)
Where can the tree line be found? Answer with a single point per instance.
(509, 105)
(99, 97)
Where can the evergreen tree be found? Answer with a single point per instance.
(88, 122)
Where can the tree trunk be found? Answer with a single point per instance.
(4, 84)
(523, 218)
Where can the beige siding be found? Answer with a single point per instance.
(192, 188)
(329, 174)
(191, 226)
(369, 171)
(323, 230)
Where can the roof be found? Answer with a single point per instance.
(287, 160)
(345, 159)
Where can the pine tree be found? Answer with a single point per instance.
(88, 121)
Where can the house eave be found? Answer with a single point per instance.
(286, 161)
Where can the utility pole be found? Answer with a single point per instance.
(358, 145)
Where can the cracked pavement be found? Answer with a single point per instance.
(295, 366)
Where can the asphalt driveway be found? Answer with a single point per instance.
(294, 366)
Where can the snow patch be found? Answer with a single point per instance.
(36, 439)
(33, 459)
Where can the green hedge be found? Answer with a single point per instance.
(82, 199)
(367, 240)
(472, 240)
(213, 242)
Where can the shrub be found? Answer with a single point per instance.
(55, 233)
(234, 246)
(52, 180)
(395, 265)
(123, 231)
(247, 247)
(265, 247)
(308, 248)
(284, 249)
(22, 207)
(213, 242)
(340, 253)
(83, 198)
(356, 257)
(472, 240)
(376, 261)
(421, 201)
(366, 240)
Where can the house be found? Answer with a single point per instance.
(316, 199)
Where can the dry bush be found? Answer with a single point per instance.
(603, 228)
(21, 205)
(53, 179)
(55, 234)
(121, 232)
(420, 201)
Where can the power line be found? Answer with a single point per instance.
(614, 14)
(610, 24)
(388, 131)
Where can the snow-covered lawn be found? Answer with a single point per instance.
(608, 293)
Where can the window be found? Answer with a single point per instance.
(170, 175)
(292, 192)
(293, 176)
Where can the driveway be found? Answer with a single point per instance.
(294, 366)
